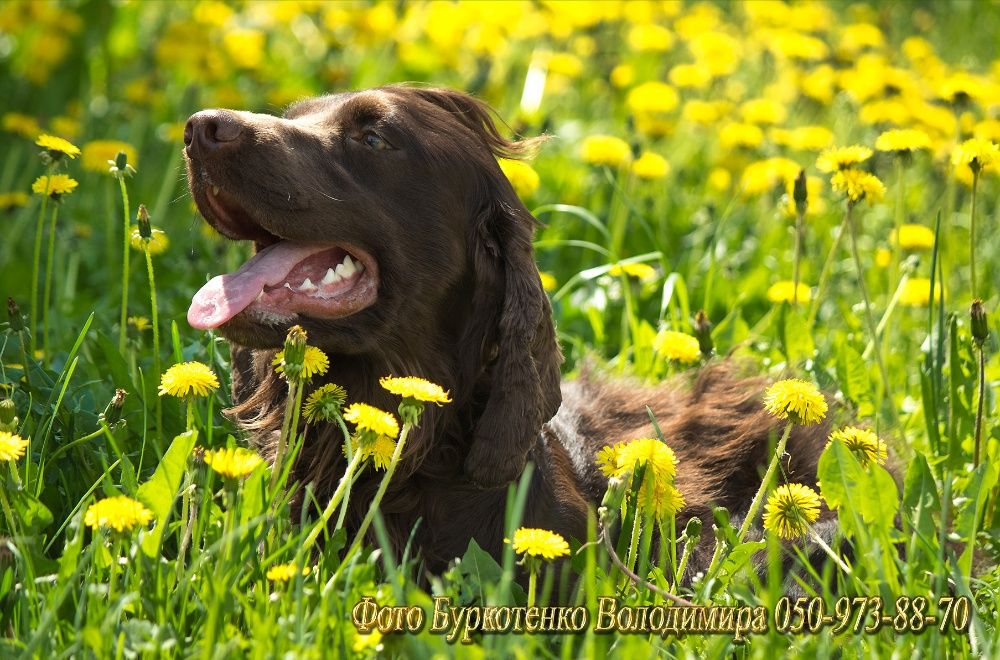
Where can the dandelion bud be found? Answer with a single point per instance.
(14, 316)
(8, 418)
(142, 217)
(614, 495)
(692, 531)
(295, 352)
(980, 325)
(800, 194)
(121, 160)
(113, 412)
(703, 333)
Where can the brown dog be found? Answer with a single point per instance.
(384, 227)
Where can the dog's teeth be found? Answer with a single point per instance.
(348, 261)
(346, 269)
(307, 285)
(215, 190)
(329, 277)
(288, 286)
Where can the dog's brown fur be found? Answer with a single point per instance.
(459, 303)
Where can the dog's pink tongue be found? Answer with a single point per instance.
(225, 296)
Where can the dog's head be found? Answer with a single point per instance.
(382, 222)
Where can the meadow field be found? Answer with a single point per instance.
(808, 189)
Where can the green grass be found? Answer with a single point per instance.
(194, 584)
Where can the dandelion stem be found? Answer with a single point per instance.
(286, 425)
(331, 506)
(350, 457)
(972, 233)
(798, 258)
(126, 228)
(190, 413)
(47, 296)
(396, 454)
(869, 317)
(818, 540)
(39, 229)
(900, 214)
(979, 407)
(825, 274)
(765, 483)
(532, 582)
(155, 317)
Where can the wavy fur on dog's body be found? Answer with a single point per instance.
(459, 303)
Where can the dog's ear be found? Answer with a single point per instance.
(479, 118)
(510, 332)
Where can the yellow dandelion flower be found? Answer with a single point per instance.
(380, 450)
(607, 460)
(650, 166)
(366, 641)
(694, 76)
(639, 271)
(324, 403)
(605, 150)
(864, 444)
(916, 292)
(659, 499)
(97, 153)
(840, 158)
(549, 282)
(233, 462)
(158, 241)
(858, 185)
(188, 379)
(539, 543)
(734, 134)
(649, 37)
(23, 125)
(120, 513)
(55, 185)
(522, 176)
(415, 388)
(796, 400)
(763, 111)
(790, 510)
(314, 362)
(719, 179)
(903, 140)
(57, 147)
(914, 237)
(140, 323)
(370, 418)
(14, 199)
(802, 138)
(677, 346)
(657, 456)
(976, 153)
(786, 291)
(286, 572)
(622, 75)
(12, 447)
(651, 98)
(883, 257)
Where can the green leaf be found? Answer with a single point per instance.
(160, 491)
(862, 495)
(796, 337)
(32, 515)
(981, 484)
(855, 378)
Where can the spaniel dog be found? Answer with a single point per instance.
(384, 226)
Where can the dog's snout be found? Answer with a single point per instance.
(210, 130)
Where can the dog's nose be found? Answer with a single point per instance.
(210, 130)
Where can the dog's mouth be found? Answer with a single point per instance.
(285, 278)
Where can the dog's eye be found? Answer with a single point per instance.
(375, 141)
